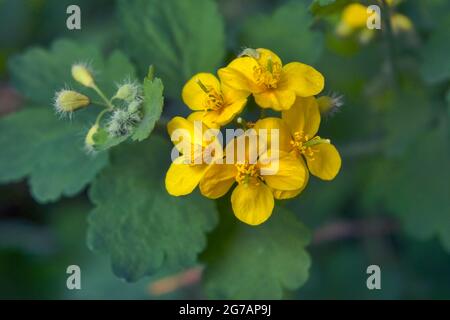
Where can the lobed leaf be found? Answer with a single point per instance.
(180, 37)
(287, 32)
(247, 262)
(137, 223)
(48, 152)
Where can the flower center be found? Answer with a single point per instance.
(303, 144)
(247, 171)
(268, 75)
(214, 99)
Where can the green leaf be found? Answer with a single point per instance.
(436, 64)
(246, 262)
(49, 152)
(413, 103)
(137, 223)
(39, 73)
(152, 107)
(416, 187)
(180, 37)
(287, 32)
(327, 7)
(103, 140)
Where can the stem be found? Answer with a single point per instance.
(100, 104)
(100, 115)
(390, 43)
(102, 95)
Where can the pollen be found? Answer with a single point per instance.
(214, 100)
(246, 171)
(268, 75)
(302, 144)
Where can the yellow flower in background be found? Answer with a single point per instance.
(297, 130)
(186, 171)
(219, 103)
(273, 85)
(252, 199)
(354, 21)
(355, 16)
(401, 23)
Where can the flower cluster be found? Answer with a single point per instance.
(355, 16)
(290, 89)
(124, 108)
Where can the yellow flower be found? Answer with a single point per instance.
(219, 103)
(297, 131)
(253, 198)
(273, 85)
(401, 23)
(195, 149)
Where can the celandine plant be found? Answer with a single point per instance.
(215, 188)
(290, 89)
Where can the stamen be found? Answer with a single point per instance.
(214, 99)
(303, 145)
(268, 75)
(247, 171)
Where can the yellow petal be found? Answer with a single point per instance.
(193, 95)
(304, 115)
(200, 116)
(284, 135)
(232, 95)
(267, 56)
(283, 194)
(285, 171)
(224, 116)
(355, 15)
(181, 179)
(252, 203)
(326, 163)
(193, 131)
(304, 80)
(218, 180)
(239, 75)
(276, 99)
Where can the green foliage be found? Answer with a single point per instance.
(49, 152)
(245, 262)
(136, 222)
(436, 65)
(39, 73)
(286, 32)
(149, 111)
(326, 7)
(416, 186)
(152, 109)
(39, 145)
(179, 37)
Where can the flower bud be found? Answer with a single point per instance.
(329, 105)
(126, 92)
(67, 101)
(81, 74)
(89, 140)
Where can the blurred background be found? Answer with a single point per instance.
(389, 206)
